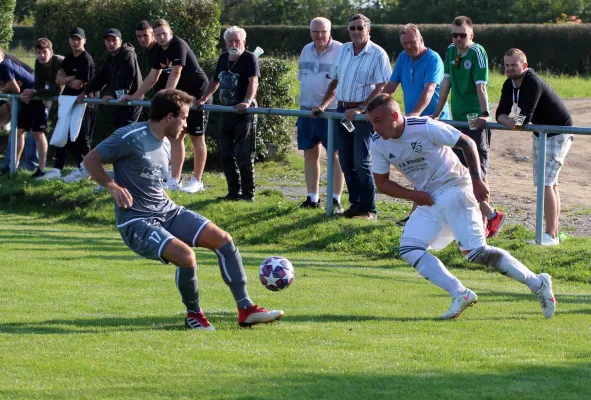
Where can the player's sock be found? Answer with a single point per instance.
(230, 263)
(491, 215)
(314, 197)
(432, 269)
(186, 282)
(337, 197)
(506, 264)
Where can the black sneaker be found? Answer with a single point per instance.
(228, 197)
(351, 212)
(402, 222)
(38, 173)
(310, 204)
(337, 208)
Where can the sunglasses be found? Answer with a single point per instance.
(458, 59)
(459, 35)
(359, 28)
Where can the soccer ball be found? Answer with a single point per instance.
(276, 273)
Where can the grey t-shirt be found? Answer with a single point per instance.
(141, 163)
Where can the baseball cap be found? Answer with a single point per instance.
(78, 32)
(112, 32)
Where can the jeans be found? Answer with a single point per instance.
(31, 161)
(353, 150)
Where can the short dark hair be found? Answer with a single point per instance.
(382, 100)
(169, 101)
(363, 18)
(43, 43)
(143, 25)
(462, 20)
(161, 22)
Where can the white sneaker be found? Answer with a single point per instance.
(75, 176)
(51, 175)
(547, 240)
(546, 296)
(459, 304)
(172, 185)
(193, 186)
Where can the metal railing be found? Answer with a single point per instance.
(543, 131)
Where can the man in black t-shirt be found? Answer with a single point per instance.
(531, 98)
(145, 37)
(175, 55)
(76, 71)
(237, 77)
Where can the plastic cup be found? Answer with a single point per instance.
(348, 124)
(519, 121)
(472, 121)
(120, 93)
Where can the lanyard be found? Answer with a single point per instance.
(515, 99)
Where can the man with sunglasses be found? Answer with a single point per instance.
(360, 72)
(420, 71)
(466, 74)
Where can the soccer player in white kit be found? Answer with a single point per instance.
(447, 194)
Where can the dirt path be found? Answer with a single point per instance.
(511, 181)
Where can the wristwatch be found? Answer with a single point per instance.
(247, 101)
(484, 114)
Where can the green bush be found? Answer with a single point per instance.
(560, 48)
(273, 132)
(6, 18)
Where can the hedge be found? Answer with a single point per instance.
(6, 18)
(562, 48)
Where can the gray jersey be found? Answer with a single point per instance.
(141, 163)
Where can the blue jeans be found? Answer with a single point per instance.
(31, 161)
(354, 157)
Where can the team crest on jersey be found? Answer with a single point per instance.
(467, 64)
(417, 147)
(391, 156)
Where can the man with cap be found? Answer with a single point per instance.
(76, 71)
(120, 73)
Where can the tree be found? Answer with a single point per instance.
(6, 18)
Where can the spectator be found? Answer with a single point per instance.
(360, 71)
(237, 75)
(420, 71)
(530, 96)
(175, 55)
(466, 73)
(76, 71)
(315, 63)
(15, 76)
(121, 75)
(145, 37)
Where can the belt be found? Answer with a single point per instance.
(351, 105)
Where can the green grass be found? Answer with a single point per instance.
(82, 317)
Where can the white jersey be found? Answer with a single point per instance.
(422, 154)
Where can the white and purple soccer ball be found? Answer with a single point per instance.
(276, 273)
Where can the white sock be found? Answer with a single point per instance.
(491, 215)
(432, 269)
(337, 197)
(314, 197)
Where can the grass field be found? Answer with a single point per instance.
(81, 316)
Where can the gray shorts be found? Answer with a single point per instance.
(148, 236)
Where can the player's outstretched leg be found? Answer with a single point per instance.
(506, 264)
(432, 269)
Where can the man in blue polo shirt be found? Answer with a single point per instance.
(420, 71)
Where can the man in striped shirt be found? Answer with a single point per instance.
(360, 71)
(465, 72)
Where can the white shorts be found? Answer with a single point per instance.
(557, 148)
(455, 215)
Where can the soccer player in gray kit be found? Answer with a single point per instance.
(151, 224)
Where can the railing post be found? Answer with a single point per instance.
(329, 165)
(540, 182)
(13, 133)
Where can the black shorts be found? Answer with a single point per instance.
(482, 139)
(197, 121)
(32, 116)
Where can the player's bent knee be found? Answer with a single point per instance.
(412, 250)
(485, 255)
(213, 237)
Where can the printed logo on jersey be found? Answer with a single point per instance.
(154, 172)
(391, 156)
(467, 64)
(417, 147)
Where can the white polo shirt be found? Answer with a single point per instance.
(314, 74)
(359, 74)
(422, 154)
